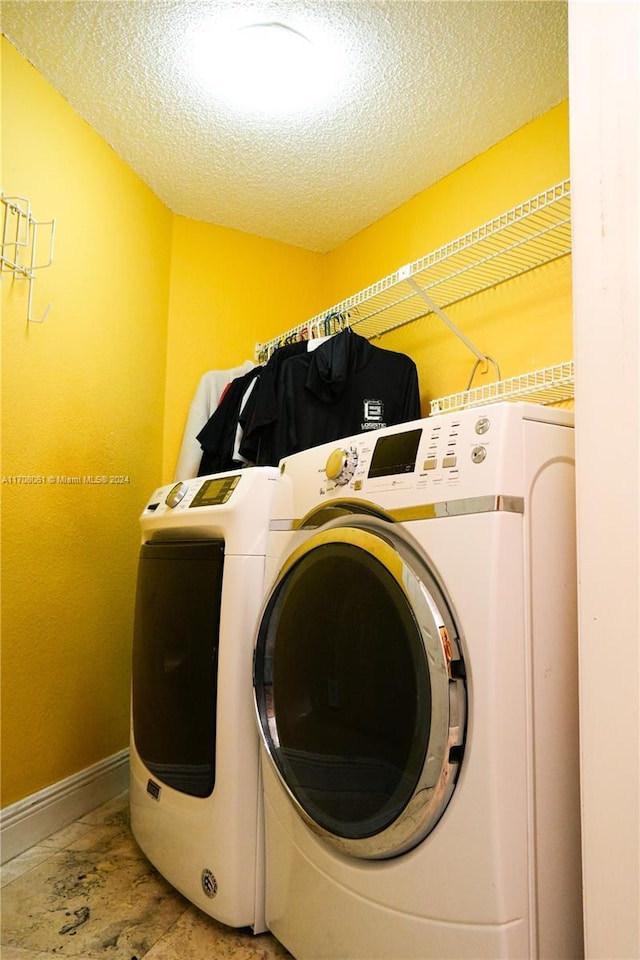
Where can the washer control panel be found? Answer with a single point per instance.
(191, 494)
(438, 451)
(448, 457)
(450, 445)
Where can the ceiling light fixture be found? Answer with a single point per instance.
(267, 67)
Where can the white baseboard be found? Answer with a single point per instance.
(29, 821)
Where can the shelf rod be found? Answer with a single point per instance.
(445, 319)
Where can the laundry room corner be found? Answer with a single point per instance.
(318, 347)
(231, 290)
(136, 306)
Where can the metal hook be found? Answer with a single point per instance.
(34, 266)
(20, 208)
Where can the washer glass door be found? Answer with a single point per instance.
(175, 661)
(359, 688)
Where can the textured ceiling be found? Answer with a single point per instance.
(423, 87)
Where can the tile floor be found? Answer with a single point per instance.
(88, 892)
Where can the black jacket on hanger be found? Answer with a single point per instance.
(217, 437)
(261, 410)
(345, 386)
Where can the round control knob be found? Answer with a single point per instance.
(341, 465)
(176, 494)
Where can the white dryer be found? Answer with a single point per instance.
(195, 796)
(415, 679)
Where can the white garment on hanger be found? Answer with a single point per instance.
(316, 341)
(203, 405)
(239, 431)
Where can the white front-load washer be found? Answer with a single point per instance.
(195, 796)
(415, 677)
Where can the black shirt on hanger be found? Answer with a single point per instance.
(261, 409)
(217, 437)
(345, 386)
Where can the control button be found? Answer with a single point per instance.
(478, 454)
(482, 425)
(176, 494)
(341, 465)
(357, 485)
(430, 464)
(449, 461)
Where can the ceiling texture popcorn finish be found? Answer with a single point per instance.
(417, 89)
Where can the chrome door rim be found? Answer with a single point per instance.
(432, 609)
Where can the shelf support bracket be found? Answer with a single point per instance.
(446, 320)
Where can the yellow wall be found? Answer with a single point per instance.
(229, 290)
(83, 396)
(144, 303)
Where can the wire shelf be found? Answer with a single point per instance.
(524, 238)
(547, 386)
(530, 235)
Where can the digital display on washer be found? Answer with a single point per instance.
(215, 491)
(395, 453)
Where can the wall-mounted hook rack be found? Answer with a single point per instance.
(19, 254)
